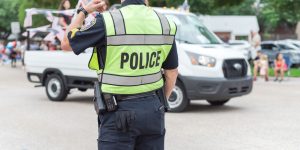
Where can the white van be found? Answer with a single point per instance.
(208, 69)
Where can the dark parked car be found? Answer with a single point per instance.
(290, 51)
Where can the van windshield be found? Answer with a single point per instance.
(191, 30)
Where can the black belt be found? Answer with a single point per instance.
(135, 96)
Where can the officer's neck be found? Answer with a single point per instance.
(133, 2)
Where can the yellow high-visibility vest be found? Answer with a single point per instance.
(138, 42)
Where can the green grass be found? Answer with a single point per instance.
(294, 72)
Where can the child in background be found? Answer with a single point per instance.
(264, 67)
(261, 66)
(280, 67)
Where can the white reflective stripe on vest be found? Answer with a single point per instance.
(140, 40)
(118, 22)
(164, 24)
(129, 81)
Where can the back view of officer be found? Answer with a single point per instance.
(131, 46)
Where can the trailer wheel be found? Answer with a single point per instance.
(55, 88)
(218, 103)
(178, 100)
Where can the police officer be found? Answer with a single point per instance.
(131, 47)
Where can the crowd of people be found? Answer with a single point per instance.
(10, 52)
(261, 66)
(261, 61)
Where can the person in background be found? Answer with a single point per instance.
(264, 67)
(2, 50)
(65, 20)
(22, 51)
(280, 67)
(297, 31)
(255, 42)
(52, 46)
(261, 64)
(13, 53)
(44, 46)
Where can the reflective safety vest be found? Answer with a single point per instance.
(138, 42)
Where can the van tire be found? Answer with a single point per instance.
(55, 88)
(178, 100)
(82, 89)
(218, 103)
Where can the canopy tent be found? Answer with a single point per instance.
(48, 13)
(34, 31)
(54, 29)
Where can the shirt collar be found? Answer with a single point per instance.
(133, 2)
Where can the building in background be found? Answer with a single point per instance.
(231, 27)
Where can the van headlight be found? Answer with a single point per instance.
(202, 60)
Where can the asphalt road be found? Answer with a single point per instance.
(267, 119)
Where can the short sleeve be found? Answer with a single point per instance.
(91, 35)
(172, 59)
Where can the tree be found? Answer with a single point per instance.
(39, 20)
(8, 13)
(276, 12)
(244, 7)
(207, 6)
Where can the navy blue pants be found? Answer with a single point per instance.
(146, 132)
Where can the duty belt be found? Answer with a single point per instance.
(130, 97)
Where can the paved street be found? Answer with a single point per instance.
(267, 119)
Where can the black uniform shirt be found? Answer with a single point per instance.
(94, 35)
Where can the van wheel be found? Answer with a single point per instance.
(55, 88)
(82, 90)
(218, 102)
(178, 100)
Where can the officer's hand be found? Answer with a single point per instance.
(94, 5)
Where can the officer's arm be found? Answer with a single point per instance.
(170, 70)
(171, 77)
(77, 23)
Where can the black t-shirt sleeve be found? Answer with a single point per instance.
(92, 35)
(172, 59)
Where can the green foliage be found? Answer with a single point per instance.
(8, 13)
(212, 6)
(243, 7)
(39, 20)
(279, 11)
(272, 14)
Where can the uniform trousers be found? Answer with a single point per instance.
(145, 132)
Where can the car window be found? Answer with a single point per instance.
(297, 45)
(236, 43)
(270, 47)
(192, 31)
(284, 47)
